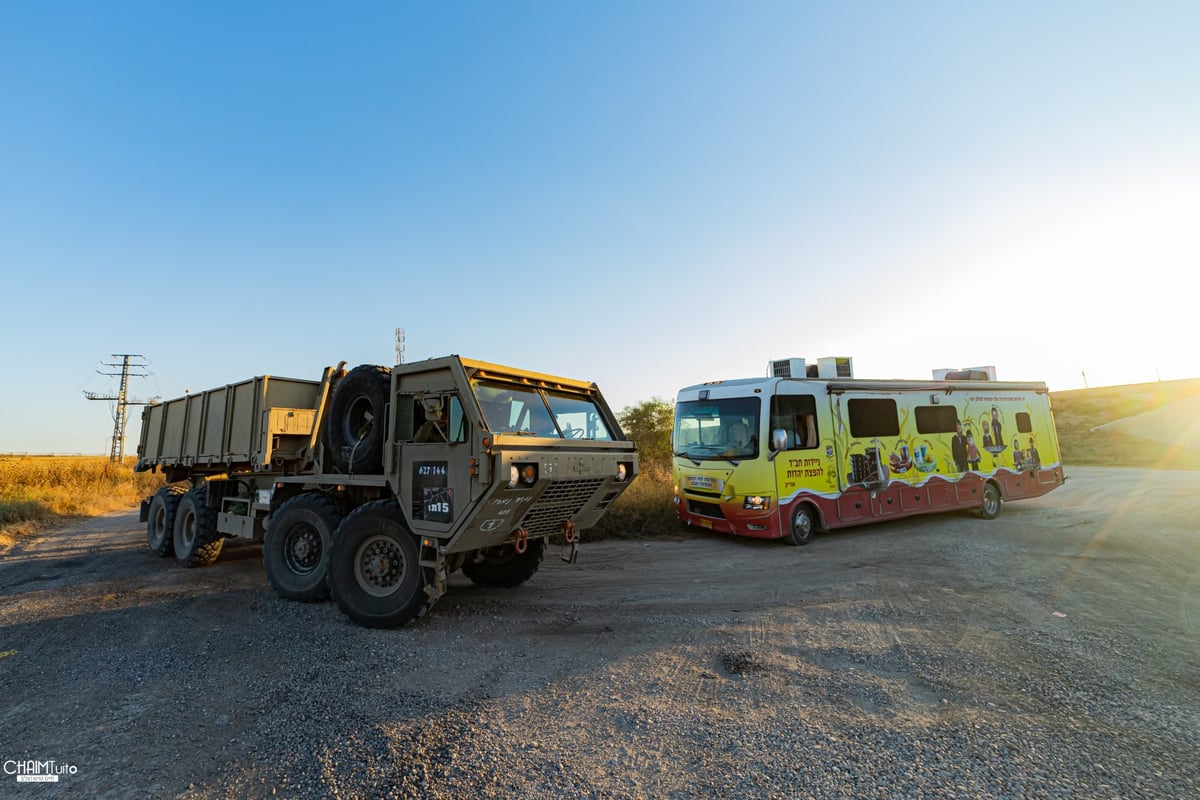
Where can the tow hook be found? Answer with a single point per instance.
(570, 545)
(521, 541)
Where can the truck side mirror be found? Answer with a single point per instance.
(779, 439)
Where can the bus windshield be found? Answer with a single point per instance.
(724, 428)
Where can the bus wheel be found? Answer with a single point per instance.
(803, 526)
(991, 502)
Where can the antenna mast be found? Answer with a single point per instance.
(399, 346)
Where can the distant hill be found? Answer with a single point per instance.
(1079, 411)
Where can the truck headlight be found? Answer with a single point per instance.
(522, 473)
(621, 472)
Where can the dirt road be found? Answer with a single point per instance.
(1049, 653)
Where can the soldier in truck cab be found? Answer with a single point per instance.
(434, 427)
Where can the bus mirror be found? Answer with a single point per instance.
(779, 439)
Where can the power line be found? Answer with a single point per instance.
(121, 415)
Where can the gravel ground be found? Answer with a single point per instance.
(1049, 653)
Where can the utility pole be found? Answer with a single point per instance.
(120, 416)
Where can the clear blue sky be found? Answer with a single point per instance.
(647, 195)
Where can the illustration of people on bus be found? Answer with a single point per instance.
(993, 432)
(1025, 459)
(958, 448)
(972, 452)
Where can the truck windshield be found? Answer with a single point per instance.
(724, 428)
(510, 408)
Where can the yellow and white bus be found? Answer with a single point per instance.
(784, 457)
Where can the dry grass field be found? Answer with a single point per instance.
(40, 490)
(1077, 412)
(645, 508)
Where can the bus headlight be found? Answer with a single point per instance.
(756, 502)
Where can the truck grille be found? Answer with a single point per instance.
(561, 501)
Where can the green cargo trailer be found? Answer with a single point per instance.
(242, 426)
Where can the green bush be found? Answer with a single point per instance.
(647, 507)
(649, 423)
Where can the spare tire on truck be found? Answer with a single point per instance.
(356, 424)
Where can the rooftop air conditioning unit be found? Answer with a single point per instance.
(788, 368)
(967, 374)
(835, 367)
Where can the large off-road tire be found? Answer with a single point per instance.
(160, 527)
(374, 569)
(356, 425)
(804, 525)
(991, 502)
(296, 547)
(502, 566)
(196, 541)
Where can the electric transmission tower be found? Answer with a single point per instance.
(121, 413)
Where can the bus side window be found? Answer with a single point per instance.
(796, 416)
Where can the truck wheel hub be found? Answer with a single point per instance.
(303, 548)
(379, 567)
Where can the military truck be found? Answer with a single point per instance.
(375, 484)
